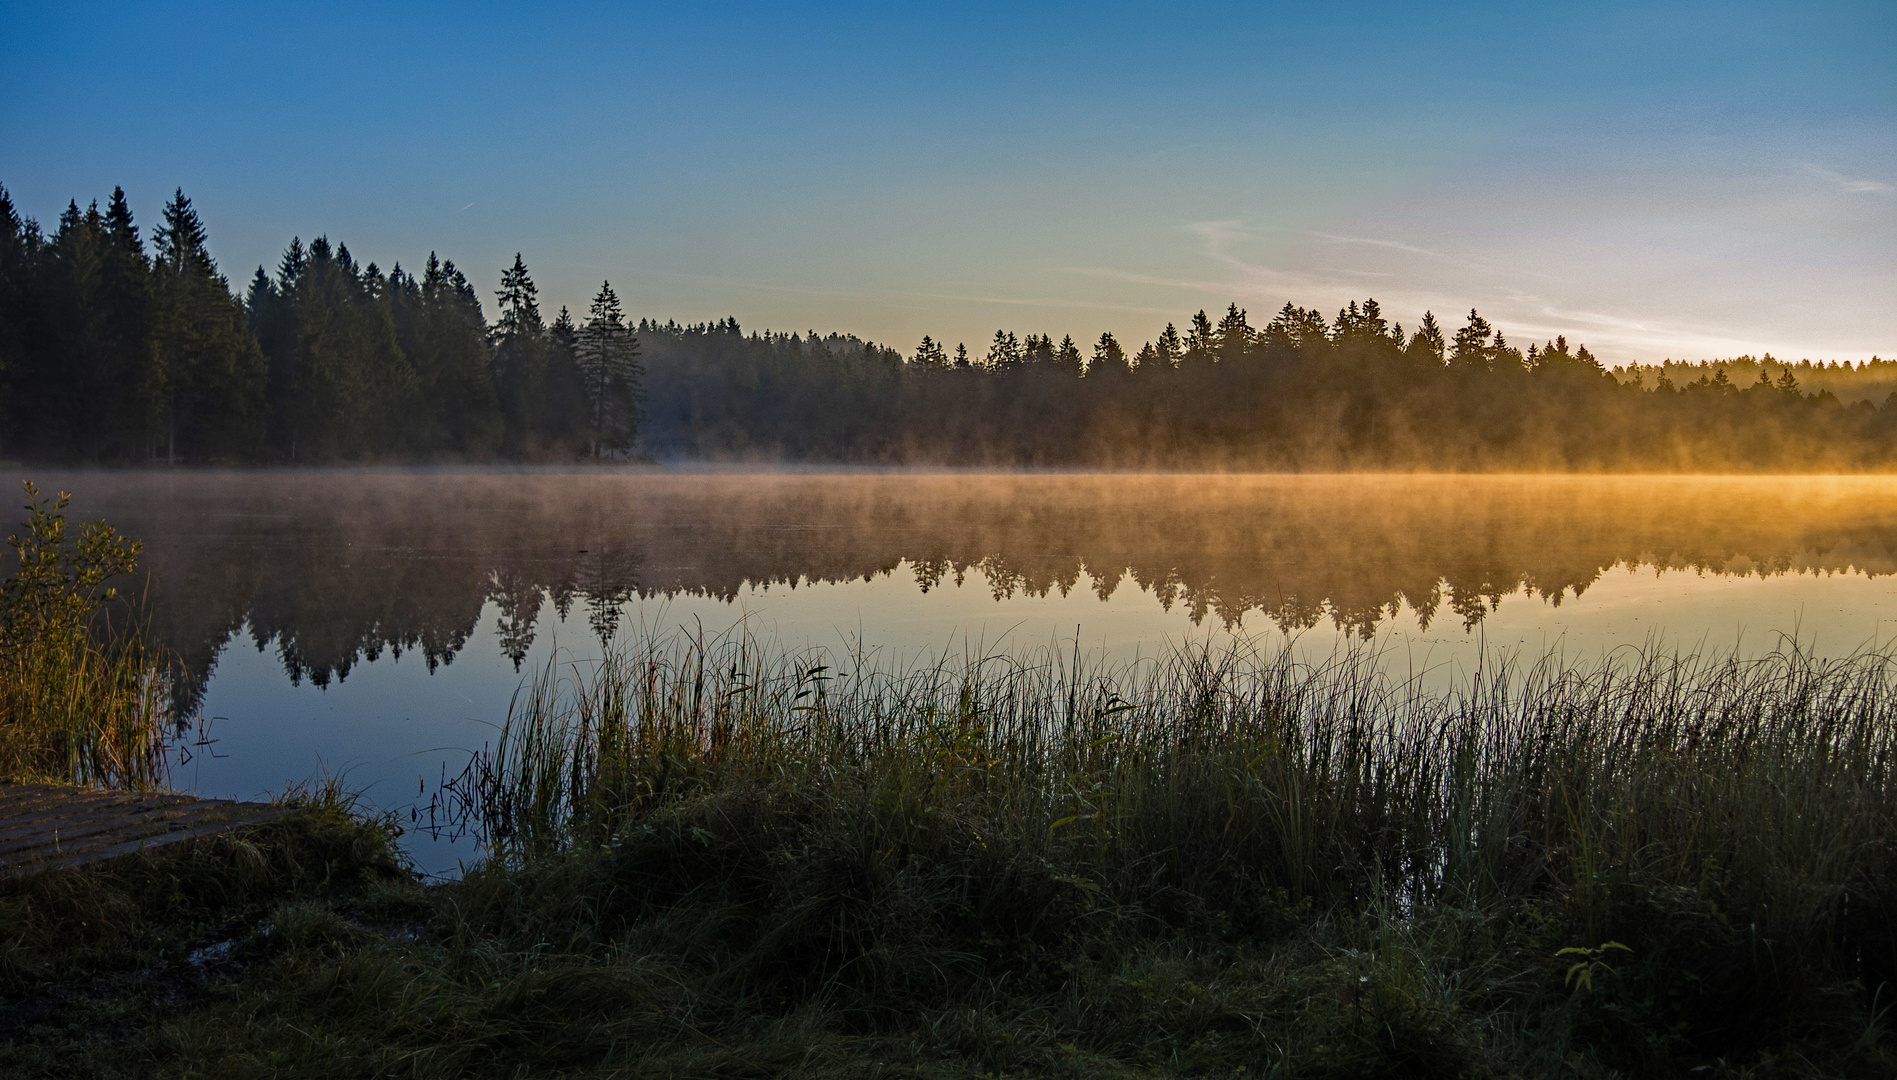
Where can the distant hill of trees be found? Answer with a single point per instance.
(1874, 380)
(115, 354)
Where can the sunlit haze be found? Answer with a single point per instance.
(1663, 180)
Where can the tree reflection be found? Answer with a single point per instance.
(333, 569)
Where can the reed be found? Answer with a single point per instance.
(1706, 842)
(1520, 781)
(82, 700)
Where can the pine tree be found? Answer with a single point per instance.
(1038, 349)
(568, 418)
(1427, 346)
(1201, 339)
(1169, 349)
(1234, 336)
(929, 354)
(1472, 349)
(1503, 356)
(1372, 323)
(1347, 326)
(520, 359)
(1109, 359)
(1067, 358)
(1004, 353)
(209, 367)
(1281, 333)
(608, 358)
(134, 390)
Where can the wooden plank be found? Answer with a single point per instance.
(27, 788)
(127, 820)
(27, 824)
(58, 801)
(132, 847)
(11, 793)
(48, 826)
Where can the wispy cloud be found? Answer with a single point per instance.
(1392, 244)
(879, 294)
(1851, 183)
(1039, 301)
(1131, 278)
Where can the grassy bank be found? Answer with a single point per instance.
(712, 859)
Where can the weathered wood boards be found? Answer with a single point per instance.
(50, 826)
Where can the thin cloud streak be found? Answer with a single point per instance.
(1393, 244)
(1856, 185)
(1090, 305)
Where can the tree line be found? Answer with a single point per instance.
(111, 353)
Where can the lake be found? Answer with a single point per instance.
(375, 623)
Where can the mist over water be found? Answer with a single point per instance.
(379, 621)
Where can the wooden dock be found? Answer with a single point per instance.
(53, 826)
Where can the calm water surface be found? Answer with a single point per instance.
(376, 623)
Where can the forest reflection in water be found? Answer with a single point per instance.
(333, 568)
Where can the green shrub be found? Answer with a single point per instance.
(81, 701)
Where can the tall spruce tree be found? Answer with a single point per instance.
(1427, 346)
(568, 416)
(1109, 359)
(137, 390)
(1067, 358)
(929, 354)
(609, 364)
(1233, 337)
(208, 365)
(520, 361)
(1472, 349)
(1168, 349)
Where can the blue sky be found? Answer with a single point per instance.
(1684, 180)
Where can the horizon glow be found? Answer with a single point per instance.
(1683, 181)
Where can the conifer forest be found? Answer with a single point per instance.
(118, 350)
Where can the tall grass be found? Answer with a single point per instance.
(1727, 824)
(81, 700)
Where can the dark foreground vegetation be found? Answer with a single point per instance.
(708, 861)
(110, 353)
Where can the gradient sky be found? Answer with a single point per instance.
(1655, 180)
